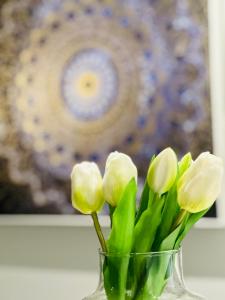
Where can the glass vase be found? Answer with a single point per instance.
(142, 276)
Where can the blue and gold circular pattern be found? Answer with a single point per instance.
(85, 84)
(81, 78)
(89, 84)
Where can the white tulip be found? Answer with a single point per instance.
(87, 189)
(200, 185)
(162, 172)
(119, 171)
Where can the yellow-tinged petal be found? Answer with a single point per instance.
(200, 185)
(163, 171)
(119, 171)
(87, 188)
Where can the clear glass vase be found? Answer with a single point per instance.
(142, 276)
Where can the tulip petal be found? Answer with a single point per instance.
(200, 185)
(163, 171)
(118, 172)
(86, 188)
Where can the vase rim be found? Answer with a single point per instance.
(151, 253)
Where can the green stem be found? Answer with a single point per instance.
(111, 211)
(183, 213)
(99, 231)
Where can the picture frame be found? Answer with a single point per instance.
(217, 90)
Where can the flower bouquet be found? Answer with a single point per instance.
(138, 256)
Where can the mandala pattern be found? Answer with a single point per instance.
(89, 85)
(82, 78)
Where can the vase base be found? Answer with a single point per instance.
(166, 296)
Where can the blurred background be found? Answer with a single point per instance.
(79, 79)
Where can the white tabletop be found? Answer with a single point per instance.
(40, 284)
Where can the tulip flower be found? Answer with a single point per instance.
(162, 171)
(119, 171)
(200, 185)
(87, 190)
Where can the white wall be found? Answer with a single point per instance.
(68, 248)
(61, 263)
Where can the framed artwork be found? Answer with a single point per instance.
(79, 79)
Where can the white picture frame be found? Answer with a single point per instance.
(216, 21)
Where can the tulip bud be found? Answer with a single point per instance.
(200, 185)
(87, 191)
(119, 171)
(162, 171)
(184, 163)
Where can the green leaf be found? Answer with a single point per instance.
(143, 202)
(121, 236)
(157, 275)
(144, 235)
(145, 229)
(193, 218)
(158, 272)
(119, 244)
(169, 242)
(170, 211)
(115, 276)
(144, 197)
